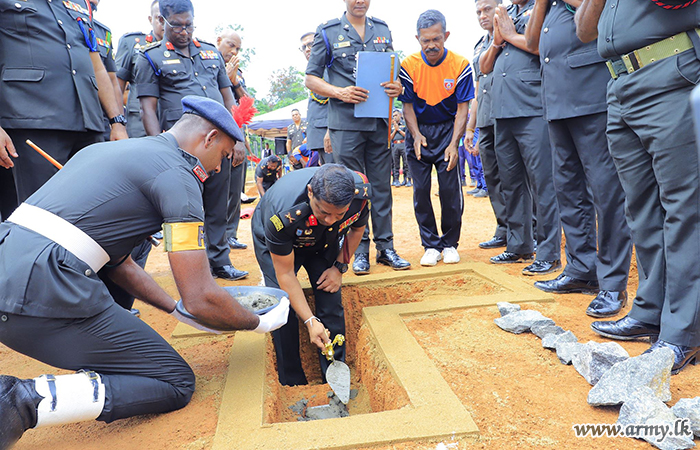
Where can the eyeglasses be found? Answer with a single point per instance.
(179, 28)
(305, 47)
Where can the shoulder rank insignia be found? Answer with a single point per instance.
(277, 222)
(170, 46)
(149, 38)
(196, 43)
(313, 221)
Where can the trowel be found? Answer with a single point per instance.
(338, 373)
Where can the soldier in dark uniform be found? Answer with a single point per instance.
(653, 52)
(360, 144)
(318, 138)
(522, 144)
(229, 44)
(398, 151)
(51, 97)
(299, 222)
(585, 177)
(480, 117)
(85, 220)
(127, 54)
(267, 173)
(103, 38)
(165, 72)
(296, 135)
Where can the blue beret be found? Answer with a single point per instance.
(214, 112)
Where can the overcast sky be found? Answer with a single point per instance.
(273, 27)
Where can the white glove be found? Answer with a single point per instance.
(274, 318)
(193, 323)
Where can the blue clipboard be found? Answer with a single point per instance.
(374, 68)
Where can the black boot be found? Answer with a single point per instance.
(18, 403)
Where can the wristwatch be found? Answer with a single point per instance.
(118, 119)
(342, 268)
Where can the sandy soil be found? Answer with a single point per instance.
(518, 393)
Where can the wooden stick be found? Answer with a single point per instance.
(391, 101)
(44, 154)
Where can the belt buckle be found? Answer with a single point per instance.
(613, 74)
(628, 63)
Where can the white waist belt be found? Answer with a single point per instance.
(61, 232)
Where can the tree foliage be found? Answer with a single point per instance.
(286, 87)
(247, 53)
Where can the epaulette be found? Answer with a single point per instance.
(330, 23)
(134, 33)
(150, 46)
(101, 25)
(377, 20)
(203, 42)
(480, 41)
(363, 190)
(291, 217)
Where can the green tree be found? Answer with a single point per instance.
(287, 84)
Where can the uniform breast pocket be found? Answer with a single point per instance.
(15, 14)
(174, 76)
(346, 58)
(582, 59)
(530, 76)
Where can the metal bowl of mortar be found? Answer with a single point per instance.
(256, 299)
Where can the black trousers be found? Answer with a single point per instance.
(487, 151)
(323, 157)
(215, 196)
(588, 188)
(655, 151)
(8, 193)
(233, 209)
(525, 165)
(398, 154)
(367, 152)
(438, 137)
(31, 169)
(141, 372)
(140, 255)
(329, 310)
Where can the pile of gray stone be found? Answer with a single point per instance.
(641, 385)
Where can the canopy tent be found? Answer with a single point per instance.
(274, 124)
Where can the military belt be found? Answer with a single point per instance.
(61, 232)
(657, 51)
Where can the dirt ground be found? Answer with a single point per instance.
(518, 393)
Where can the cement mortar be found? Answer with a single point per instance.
(257, 301)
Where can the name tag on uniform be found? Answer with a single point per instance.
(171, 61)
(183, 236)
(341, 44)
(208, 54)
(76, 7)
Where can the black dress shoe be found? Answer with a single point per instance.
(18, 403)
(494, 242)
(564, 284)
(249, 200)
(542, 267)
(626, 329)
(228, 272)
(158, 235)
(607, 303)
(361, 264)
(472, 191)
(235, 244)
(390, 258)
(683, 355)
(511, 258)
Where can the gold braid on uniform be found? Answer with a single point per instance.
(322, 102)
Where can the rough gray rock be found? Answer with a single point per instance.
(543, 329)
(689, 408)
(624, 378)
(506, 308)
(643, 408)
(553, 340)
(594, 359)
(567, 350)
(520, 321)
